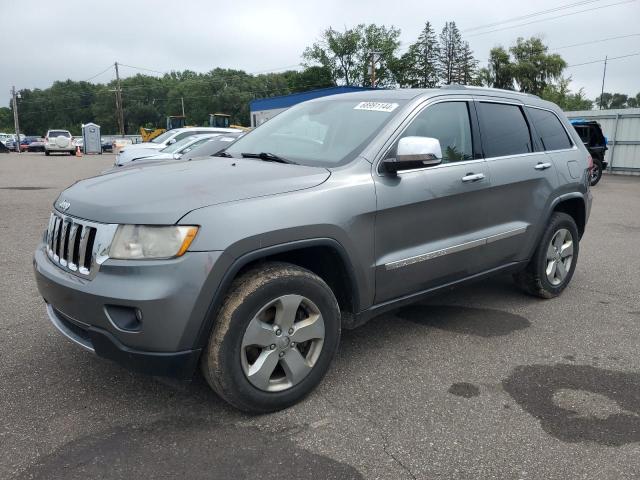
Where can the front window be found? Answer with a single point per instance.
(174, 147)
(321, 133)
(162, 137)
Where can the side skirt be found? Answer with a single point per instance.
(353, 321)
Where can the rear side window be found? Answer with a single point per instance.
(504, 130)
(549, 130)
(59, 133)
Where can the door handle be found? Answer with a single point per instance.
(542, 166)
(473, 177)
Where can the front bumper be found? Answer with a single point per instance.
(167, 293)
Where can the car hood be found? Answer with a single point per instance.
(163, 193)
(139, 151)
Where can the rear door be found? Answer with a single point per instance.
(522, 179)
(430, 223)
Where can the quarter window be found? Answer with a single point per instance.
(504, 130)
(552, 134)
(449, 123)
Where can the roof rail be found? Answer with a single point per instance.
(455, 86)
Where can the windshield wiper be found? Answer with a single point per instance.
(268, 157)
(222, 153)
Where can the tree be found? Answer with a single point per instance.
(533, 68)
(347, 55)
(467, 68)
(450, 53)
(6, 119)
(562, 96)
(499, 71)
(612, 100)
(419, 65)
(634, 102)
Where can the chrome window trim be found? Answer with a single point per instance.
(454, 249)
(407, 121)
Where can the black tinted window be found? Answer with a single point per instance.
(549, 129)
(504, 130)
(449, 123)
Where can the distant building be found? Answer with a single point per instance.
(262, 109)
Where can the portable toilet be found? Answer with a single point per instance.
(91, 142)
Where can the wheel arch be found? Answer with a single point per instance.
(573, 205)
(325, 257)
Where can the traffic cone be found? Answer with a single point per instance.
(78, 151)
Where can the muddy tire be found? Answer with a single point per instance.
(273, 339)
(551, 268)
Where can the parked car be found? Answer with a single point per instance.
(332, 212)
(4, 137)
(164, 140)
(24, 144)
(78, 142)
(590, 133)
(36, 145)
(59, 141)
(107, 145)
(170, 152)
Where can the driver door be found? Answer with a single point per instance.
(430, 224)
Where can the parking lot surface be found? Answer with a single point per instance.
(481, 382)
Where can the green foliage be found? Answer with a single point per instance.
(6, 120)
(347, 55)
(149, 100)
(533, 68)
(617, 100)
(562, 96)
(499, 71)
(418, 67)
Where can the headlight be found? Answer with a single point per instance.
(149, 241)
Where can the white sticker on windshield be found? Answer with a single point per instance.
(376, 106)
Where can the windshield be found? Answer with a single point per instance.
(195, 144)
(162, 137)
(174, 147)
(322, 133)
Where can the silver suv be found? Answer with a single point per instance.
(250, 263)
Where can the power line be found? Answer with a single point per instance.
(98, 74)
(602, 60)
(596, 41)
(530, 15)
(551, 18)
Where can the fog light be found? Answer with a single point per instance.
(128, 319)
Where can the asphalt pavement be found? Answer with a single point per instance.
(482, 382)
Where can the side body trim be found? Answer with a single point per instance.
(454, 249)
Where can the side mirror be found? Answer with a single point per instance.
(176, 156)
(414, 152)
(171, 142)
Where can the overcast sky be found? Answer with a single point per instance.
(77, 39)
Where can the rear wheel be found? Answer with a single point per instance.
(596, 171)
(554, 261)
(274, 338)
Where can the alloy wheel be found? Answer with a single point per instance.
(559, 257)
(282, 343)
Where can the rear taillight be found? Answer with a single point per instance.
(590, 162)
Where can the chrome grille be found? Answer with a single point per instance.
(78, 246)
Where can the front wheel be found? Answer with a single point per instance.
(596, 172)
(274, 338)
(554, 261)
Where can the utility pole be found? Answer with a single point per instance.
(373, 68)
(119, 102)
(16, 124)
(604, 74)
(182, 101)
